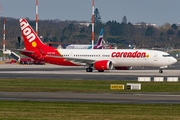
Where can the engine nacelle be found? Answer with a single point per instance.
(123, 68)
(103, 65)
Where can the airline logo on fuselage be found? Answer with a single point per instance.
(135, 54)
(27, 31)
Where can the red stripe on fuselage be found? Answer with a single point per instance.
(57, 60)
(52, 60)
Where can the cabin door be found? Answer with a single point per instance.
(155, 56)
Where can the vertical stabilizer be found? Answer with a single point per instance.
(31, 40)
(99, 44)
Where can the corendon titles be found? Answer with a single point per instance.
(128, 54)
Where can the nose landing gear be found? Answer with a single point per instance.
(160, 70)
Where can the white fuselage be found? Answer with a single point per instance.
(121, 57)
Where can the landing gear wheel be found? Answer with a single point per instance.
(89, 69)
(160, 71)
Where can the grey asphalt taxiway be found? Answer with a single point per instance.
(140, 98)
(79, 73)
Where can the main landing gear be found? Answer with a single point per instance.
(89, 69)
(160, 70)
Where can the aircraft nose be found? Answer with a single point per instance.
(173, 60)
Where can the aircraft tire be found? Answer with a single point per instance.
(89, 69)
(160, 71)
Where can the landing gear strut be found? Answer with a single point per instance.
(160, 70)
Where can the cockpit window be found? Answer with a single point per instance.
(166, 55)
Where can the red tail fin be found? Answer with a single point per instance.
(33, 43)
(31, 40)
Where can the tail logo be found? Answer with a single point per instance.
(34, 44)
(30, 36)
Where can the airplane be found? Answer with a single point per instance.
(98, 45)
(99, 59)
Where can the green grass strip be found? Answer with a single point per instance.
(26, 110)
(59, 85)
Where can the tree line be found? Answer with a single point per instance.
(120, 33)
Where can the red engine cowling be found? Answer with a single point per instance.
(123, 68)
(103, 65)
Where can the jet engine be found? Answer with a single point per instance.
(103, 65)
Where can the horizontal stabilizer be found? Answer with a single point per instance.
(24, 51)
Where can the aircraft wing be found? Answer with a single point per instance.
(75, 60)
(80, 60)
